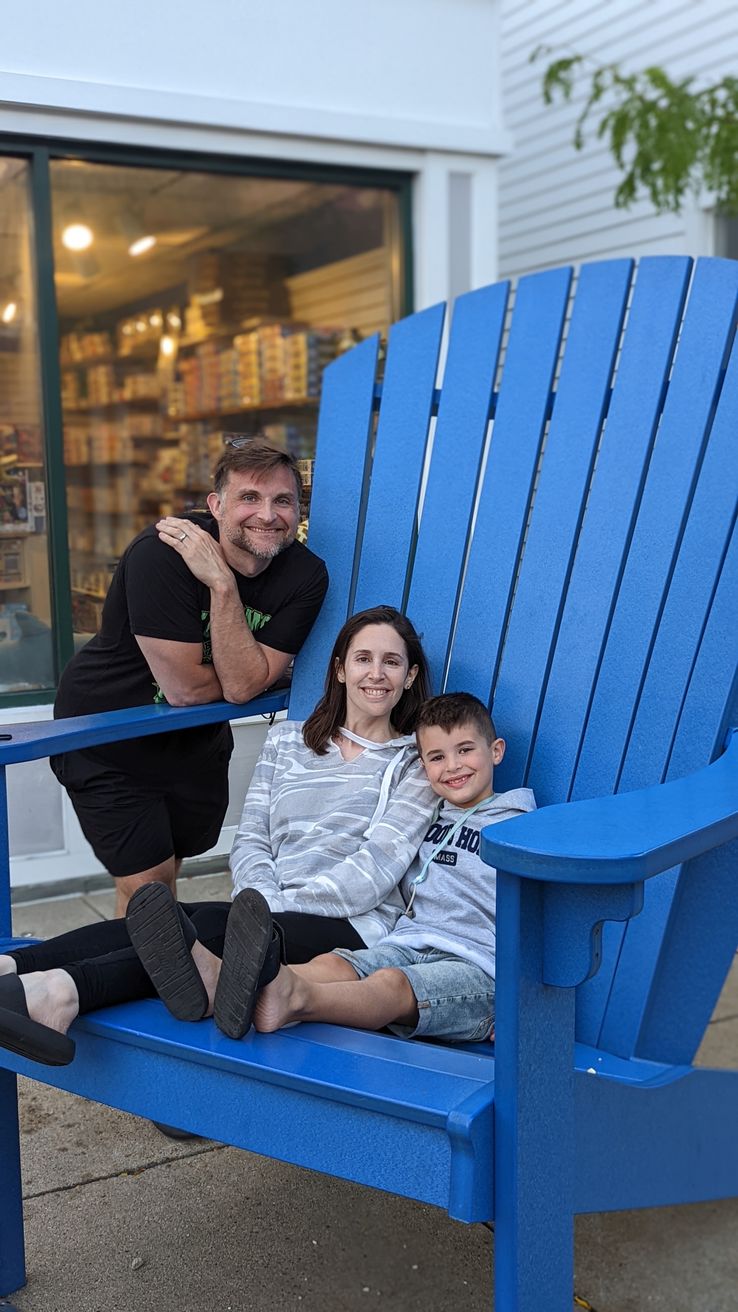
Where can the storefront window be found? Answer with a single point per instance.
(26, 652)
(193, 306)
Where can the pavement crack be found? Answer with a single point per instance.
(136, 1170)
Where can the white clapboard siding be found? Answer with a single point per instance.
(352, 293)
(557, 203)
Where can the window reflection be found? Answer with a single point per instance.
(193, 306)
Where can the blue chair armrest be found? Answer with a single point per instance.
(33, 740)
(625, 838)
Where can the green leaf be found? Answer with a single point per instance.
(667, 137)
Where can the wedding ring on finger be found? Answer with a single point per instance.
(182, 536)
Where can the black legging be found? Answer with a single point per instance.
(106, 968)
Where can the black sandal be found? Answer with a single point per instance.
(29, 1038)
(163, 936)
(252, 955)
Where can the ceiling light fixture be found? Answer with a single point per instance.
(77, 237)
(142, 244)
(9, 312)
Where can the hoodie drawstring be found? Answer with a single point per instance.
(391, 769)
(453, 831)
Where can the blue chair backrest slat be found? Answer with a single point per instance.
(661, 970)
(645, 361)
(402, 433)
(703, 549)
(337, 507)
(616, 1000)
(458, 444)
(520, 418)
(573, 438)
(686, 421)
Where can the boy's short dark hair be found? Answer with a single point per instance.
(255, 456)
(452, 709)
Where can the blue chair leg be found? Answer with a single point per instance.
(12, 1248)
(534, 1092)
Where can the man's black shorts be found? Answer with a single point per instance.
(134, 821)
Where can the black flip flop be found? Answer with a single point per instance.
(18, 1033)
(162, 934)
(249, 936)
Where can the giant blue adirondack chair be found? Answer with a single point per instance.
(568, 550)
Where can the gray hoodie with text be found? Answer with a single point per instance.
(454, 906)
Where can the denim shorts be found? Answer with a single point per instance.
(456, 999)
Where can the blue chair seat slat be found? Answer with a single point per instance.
(349, 1065)
(469, 375)
(402, 433)
(337, 505)
(573, 437)
(693, 390)
(524, 403)
(646, 355)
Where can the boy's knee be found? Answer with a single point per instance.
(396, 979)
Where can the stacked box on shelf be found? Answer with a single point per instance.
(143, 424)
(299, 441)
(76, 444)
(228, 286)
(176, 397)
(11, 561)
(194, 439)
(101, 384)
(70, 389)
(272, 360)
(166, 473)
(140, 387)
(249, 374)
(77, 348)
(306, 355)
(229, 390)
(110, 444)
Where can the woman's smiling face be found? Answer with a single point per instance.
(375, 673)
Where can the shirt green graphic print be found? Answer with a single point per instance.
(255, 620)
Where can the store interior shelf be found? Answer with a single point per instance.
(106, 407)
(90, 467)
(197, 416)
(6, 585)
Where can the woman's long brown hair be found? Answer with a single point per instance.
(330, 712)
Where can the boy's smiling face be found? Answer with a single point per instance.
(459, 762)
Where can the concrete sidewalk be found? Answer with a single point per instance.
(119, 1218)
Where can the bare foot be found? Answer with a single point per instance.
(7, 966)
(208, 967)
(282, 1002)
(51, 998)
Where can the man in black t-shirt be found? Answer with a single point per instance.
(202, 607)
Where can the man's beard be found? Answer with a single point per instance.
(244, 539)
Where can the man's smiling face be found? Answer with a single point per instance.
(257, 514)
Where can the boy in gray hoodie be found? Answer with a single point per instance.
(433, 975)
